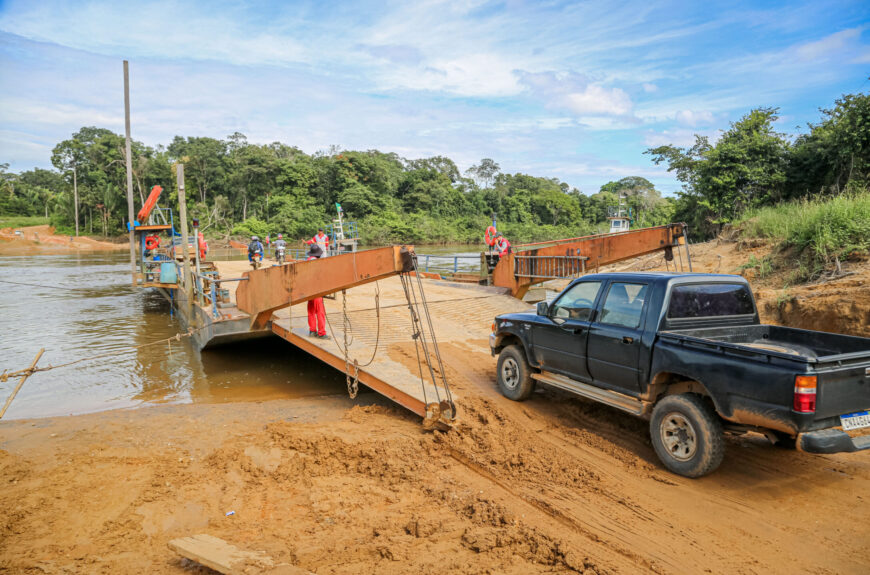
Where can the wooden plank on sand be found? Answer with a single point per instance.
(225, 558)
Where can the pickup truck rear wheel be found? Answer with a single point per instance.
(514, 374)
(687, 435)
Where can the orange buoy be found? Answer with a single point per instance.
(489, 237)
(152, 242)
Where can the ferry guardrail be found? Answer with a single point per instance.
(240, 254)
(444, 266)
(214, 284)
(549, 267)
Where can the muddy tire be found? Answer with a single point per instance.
(514, 374)
(687, 435)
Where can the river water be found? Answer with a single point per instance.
(81, 305)
(88, 307)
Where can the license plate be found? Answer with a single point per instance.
(855, 420)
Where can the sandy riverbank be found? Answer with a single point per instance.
(552, 485)
(555, 484)
(42, 240)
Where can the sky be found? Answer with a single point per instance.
(572, 90)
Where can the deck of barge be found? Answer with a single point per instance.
(379, 329)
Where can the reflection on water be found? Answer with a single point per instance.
(92, 309)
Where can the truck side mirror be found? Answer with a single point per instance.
(543, 308)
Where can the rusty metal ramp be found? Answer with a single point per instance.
(382, 350)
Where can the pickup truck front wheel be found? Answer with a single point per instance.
(514, 374)
(687, 435)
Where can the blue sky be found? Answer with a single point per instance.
(574, 90)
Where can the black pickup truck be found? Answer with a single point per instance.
(687, 351)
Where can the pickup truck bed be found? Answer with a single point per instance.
(840, 363)
(813, 346)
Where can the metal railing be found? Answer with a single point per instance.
(448, 264)
(549, 267)
(208, 292)
(343, 232)
(239, 254)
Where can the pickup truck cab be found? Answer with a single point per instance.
(687, 351)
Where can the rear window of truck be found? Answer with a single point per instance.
(710, 300)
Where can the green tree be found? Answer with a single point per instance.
(204, 162)
(744, 169)
(836, 151)
(484, 172)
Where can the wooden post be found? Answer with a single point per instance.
(130, 214)
(182, 213)
(21, 382)
(76, 197)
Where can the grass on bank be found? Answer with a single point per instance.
(820, 231)
(22, 221)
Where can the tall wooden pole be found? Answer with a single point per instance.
(76, 196)
(185, 253)
(130, 214)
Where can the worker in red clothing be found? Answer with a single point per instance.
(322, 240)
(502, 245)
(316, 310)
(203, 246)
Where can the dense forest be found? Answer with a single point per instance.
(236, 187)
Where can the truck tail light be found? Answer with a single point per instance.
(805, 393)
(493, 327)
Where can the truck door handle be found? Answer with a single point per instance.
(577, 330)
(627, 339)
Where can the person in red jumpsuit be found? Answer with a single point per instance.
(316, 310)
(203, 246)
(502, 245)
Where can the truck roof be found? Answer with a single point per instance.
(672, 277)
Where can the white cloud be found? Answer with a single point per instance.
(18, 110)
(604, 123)
(599, 101)
(678, 137)
(650, 88)
(23, 150)
(474, 75)
(718, 103)
(592, 103)
(694, 118)
(162, 29)
(828, 46)
(607, 170)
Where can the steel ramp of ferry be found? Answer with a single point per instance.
(462, 316)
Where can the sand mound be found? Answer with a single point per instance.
(43, 240)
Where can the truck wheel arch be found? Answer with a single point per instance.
(671, 383)
(507, 339)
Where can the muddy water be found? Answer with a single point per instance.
(88, 308)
